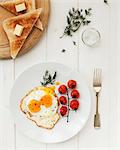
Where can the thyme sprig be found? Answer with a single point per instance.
(75, 19)
(48, 78)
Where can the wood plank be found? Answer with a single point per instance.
(6, 80)
(36, 55)
(7, 137)
(114, 73)
(55, 44)
(6, 130)
(89, 58)
(59, 9)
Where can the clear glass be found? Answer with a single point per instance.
(91, 37)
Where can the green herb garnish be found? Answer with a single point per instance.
(48, 78)
(75, 19)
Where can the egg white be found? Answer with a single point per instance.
(44, 112)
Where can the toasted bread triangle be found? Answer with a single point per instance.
(10, 6)
(30, 5)
(27, 20)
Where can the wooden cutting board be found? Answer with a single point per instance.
(34, 36)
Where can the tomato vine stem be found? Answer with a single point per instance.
(68, 106)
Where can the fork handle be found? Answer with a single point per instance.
(97, 115)
(97, 121)
(97, 103)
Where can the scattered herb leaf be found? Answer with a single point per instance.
(63, 51)
(48, 78)
(74, 43)
(106, 1)
(75, 19)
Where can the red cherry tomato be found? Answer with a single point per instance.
(63, 110)
(74, 104)
(63, 100)
(72, 84)
(62, 89)
(75, 94)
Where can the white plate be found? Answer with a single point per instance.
(62, 130)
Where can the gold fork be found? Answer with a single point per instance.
(97, 84)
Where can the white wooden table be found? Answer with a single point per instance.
(106, 55)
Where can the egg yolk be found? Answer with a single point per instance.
(34, 106)
(46, 101)
(49, 90)
(57, 83)
(52, 88)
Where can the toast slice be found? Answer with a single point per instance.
(10, 6)
(27, 21)
(30, 5)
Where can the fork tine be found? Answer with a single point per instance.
(97, 76)
(94, 77)
(100, 76)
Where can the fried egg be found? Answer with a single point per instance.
(41, 105)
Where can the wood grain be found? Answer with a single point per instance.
(34, 36)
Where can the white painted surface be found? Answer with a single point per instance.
(106, 55)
